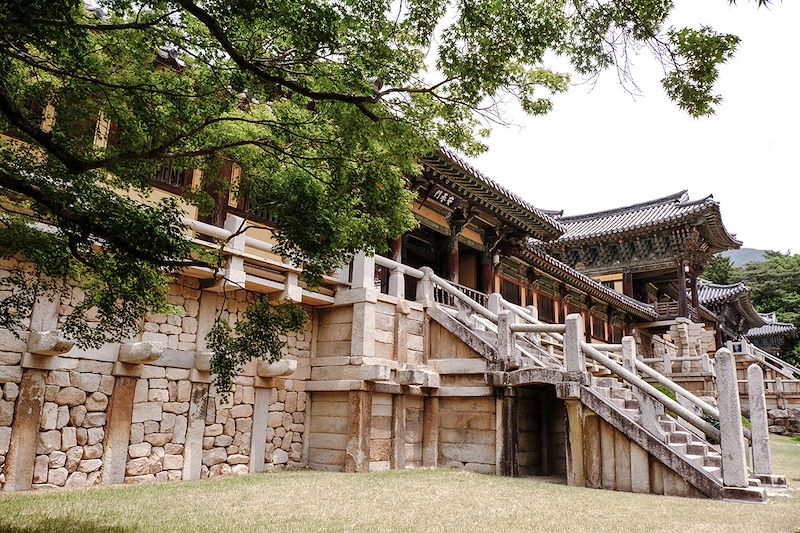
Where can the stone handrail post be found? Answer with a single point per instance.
(425, 288)
(629, 354)
(734, 463)
(762, 464)
(234, 272)
(397, 283)
(363, 271)
(574, 360)
(494, 303)
(505, 337)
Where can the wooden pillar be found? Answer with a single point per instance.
(682, 298)
(487, 272)
(359, 415)
(25, 431)
(695, 298)
(430, 432)
(118, 430)
(396, 250)
(627, 284)
(452, 255)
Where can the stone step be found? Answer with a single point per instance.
(620, 403)
(697, 448)
(633, 404)
(634, 413)
(619, 392)
(697, 460)
(602, 391)
(714, 471)
(677, 447)
(667, 425)
(713, 460)
(605, 382)
(679, 436)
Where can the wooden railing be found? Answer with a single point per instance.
(670, 310)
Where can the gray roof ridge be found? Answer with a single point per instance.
(680, 197)
(546, 216)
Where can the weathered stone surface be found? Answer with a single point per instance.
(137, 433)
(177, 408)
(95, 435)
(147, 351)
(40, 469)
(71, 396)
(213, 430)
(147, 411)
(49, 416)
(158, 439)
(11, 391)
(94, 451)
(57, 476)
(214, 456)
(77, 415)
(82, 436)
(90, 383)
(138, 467)
(140, 394)
(141, 449)
(6, 413)
(77, 479)
(90, 465)
(5, 439)
(94, 420)
(69, 438)
(10, 373)
(242, 411)
(57, 459)
(280, 457)
(63, 417)
(58, 377)
(74, 456)
(49, 441)
(173, 462)
(97, 401)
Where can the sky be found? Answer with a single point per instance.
(601, 148)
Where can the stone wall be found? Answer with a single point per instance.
(784, 421)
(66, 440)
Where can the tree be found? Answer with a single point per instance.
(719, 270)
(325, 105)
(775, 286)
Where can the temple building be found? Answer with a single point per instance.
(495, 337)
(772, 336)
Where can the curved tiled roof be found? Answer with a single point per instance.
(768, 330)
(494, 196)
(717, 297)
(673, 210)
(710, 293)
(562, 272)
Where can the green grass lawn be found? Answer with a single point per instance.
(419, 500)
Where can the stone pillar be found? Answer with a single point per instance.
(592, 453)
(398, 459)
(25, 431)
(258, 442)
(762, 462)
(118, 430)
(505, 337)
(430, 432)
(574, 360)
(734, 464)
(575, 471)
(682, 303)
(359, 415)
(196, 426)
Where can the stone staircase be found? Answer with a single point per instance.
(680, 444)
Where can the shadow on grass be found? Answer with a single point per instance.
(61, 525)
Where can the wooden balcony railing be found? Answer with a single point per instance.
(670, 310)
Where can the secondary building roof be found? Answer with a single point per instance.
(492, 196)
(582, 282)
(728, 301)
(670, 211)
